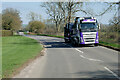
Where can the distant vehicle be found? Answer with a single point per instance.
(20, 32)
(82, 31)
(27, 32)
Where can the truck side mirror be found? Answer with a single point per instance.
(80, 30)
(99, 26)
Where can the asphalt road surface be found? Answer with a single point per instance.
(61, 60)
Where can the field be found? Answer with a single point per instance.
(16, 50)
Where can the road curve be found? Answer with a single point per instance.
(61, 60)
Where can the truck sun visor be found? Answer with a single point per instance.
(89, 20)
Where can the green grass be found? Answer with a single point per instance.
(16, 50)
(114, 45)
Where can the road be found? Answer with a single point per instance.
(61, 60)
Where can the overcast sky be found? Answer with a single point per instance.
(26, 7)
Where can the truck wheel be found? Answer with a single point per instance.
(77, 45)
(73, 42)
(96, 44)
(66, 41)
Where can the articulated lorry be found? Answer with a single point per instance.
(82, 31)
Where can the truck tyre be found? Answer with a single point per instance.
(74, 43)
(96, 44)
(66, 41)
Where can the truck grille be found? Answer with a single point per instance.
(89, 38)
(90, 41)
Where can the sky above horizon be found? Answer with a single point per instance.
(26, 7)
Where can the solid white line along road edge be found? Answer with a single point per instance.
(112, 72)
(90, 58)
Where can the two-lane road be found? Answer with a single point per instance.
(61, 60)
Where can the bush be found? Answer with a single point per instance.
(109, 34)
(11, 19)
(36, 26)
(6, 33)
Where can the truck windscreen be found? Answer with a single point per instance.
(89, 27)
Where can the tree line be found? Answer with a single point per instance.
(11, 20)
(64, 12)
(59, 13)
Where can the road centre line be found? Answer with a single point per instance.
(90, 58)
(79, 50)
(75, 48)
(83, 56)
(86, 57)
(112, 72)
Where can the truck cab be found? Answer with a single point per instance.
(84, 31)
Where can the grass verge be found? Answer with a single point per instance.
(112, 45)
(16, 50)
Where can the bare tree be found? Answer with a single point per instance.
(69, 9)
(111, 6)
(33, 16)
(115, 21)
(54, 13)
(62, 11)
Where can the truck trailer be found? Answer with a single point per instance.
(82, 31)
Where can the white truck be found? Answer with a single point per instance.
(83, 31)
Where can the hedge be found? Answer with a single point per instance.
(6, 33)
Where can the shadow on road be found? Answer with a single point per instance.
(96, 75)
(99, 74)
(63, 45)
(56, 45)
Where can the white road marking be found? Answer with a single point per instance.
(47, 45)
(79, 50)
(95, 60)
(90, 58)
(112, 72)
(82, 56)
(86, 57)
(108, 48)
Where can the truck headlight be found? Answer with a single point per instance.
(96, 40)
(81, 39)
